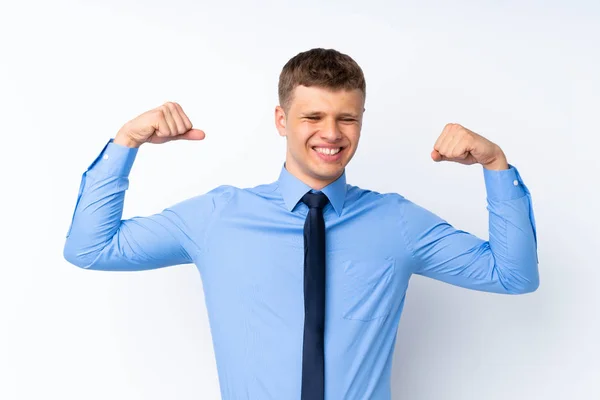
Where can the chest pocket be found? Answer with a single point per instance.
(368, 288)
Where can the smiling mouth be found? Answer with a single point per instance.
(328, 151)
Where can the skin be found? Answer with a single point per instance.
(320, 117)
(459, 144)
(162, 124)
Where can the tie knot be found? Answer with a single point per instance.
(315, 200)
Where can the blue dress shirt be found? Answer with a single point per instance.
(248, 247)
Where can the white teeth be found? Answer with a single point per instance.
(329, 152)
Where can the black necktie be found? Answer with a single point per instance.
(313, 358)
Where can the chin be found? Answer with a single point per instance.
(327, 173)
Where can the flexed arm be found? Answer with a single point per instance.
(98, 238)
(507, 262)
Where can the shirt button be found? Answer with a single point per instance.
(516, 182)
(106, 158)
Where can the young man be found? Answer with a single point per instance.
(292, 315)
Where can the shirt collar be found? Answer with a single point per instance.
(292, 189)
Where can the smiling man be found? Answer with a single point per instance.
(305, 277)
(322, 127)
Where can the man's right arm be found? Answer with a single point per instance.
(99, 239)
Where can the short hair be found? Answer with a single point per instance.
(325, 68)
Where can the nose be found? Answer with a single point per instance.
(331, 131)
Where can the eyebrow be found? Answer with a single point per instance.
(319, 113)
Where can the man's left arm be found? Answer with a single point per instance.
(508, 261)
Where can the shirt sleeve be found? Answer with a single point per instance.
(506, 263)
(99, 239)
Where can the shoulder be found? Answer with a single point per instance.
(223, 195)
(264, 190)
(205, 202)
(393, 204)
(356, 194)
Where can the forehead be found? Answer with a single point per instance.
(322, 99)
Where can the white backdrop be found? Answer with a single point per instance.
(523, 74)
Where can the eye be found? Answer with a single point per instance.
(313, 118)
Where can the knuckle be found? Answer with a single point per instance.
(159, 112)
(162, 121)
(177, 107)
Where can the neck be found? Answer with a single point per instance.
(314, 183)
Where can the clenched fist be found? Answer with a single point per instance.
(459, 144)
(159, 125)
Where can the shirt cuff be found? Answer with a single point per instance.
(114, 159)
(505, 184)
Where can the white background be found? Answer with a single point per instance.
(523, 74)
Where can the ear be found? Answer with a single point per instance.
(280, 120)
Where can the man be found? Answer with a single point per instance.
(292, 315)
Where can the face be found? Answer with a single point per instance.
(322, 128)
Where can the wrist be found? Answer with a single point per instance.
(497, 165)
(498, 162)
(124, 140)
